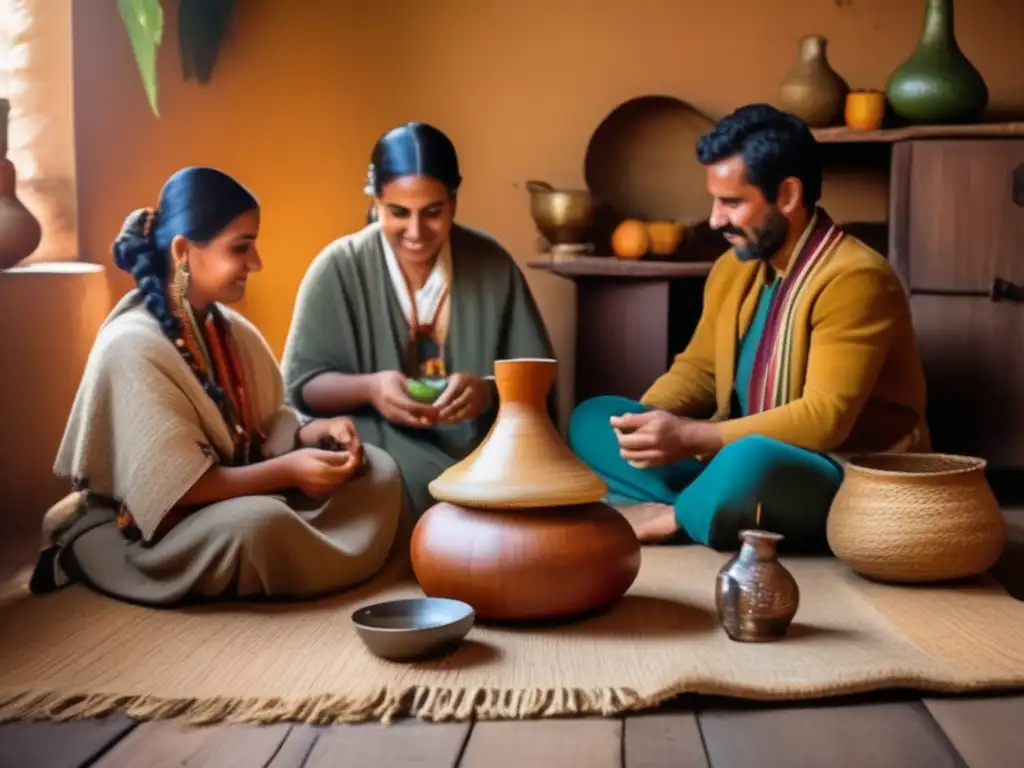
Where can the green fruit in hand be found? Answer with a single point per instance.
(425, 390)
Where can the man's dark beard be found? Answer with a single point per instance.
(768, 238)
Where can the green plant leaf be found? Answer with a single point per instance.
(144, 21)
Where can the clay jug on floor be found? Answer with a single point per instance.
(755, 595)
(812, 90)
(523, 461)
(937, 84)
(20, 232)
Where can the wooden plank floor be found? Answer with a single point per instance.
(898, 729)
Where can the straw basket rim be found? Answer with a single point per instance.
(959, 464)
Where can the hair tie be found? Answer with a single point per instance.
(148, 222)
(371, 180)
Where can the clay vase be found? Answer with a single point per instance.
(937, 84)
(523, 461)
(20, 233)
(519, 532)
(812, 90)
(756, 597)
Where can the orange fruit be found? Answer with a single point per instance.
(630, 239)
(664, 237)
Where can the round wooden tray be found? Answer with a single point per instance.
(641, 161)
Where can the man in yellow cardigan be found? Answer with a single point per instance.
(805, 349)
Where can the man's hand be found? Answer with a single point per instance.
(657, 438)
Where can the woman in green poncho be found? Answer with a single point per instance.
(399, 325)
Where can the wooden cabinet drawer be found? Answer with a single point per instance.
(957, 214)
(973, 351)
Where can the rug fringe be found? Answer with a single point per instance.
(426, 703)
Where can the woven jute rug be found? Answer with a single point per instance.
(74, 653)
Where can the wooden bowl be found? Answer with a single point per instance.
(403, 630)
(528, 563)
(927, 517)
(642, 160)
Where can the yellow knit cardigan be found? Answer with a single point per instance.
(856, 382)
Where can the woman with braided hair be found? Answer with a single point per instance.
(192, 478)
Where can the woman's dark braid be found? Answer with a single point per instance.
(136, 252)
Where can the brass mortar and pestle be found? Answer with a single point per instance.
(563, 216)
(755, 595)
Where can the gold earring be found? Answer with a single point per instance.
(181, 278)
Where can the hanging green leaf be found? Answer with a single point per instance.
(144, 21)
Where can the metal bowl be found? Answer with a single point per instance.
(563, 216)
(403, 630)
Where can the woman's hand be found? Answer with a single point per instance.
(391, 399)
(465, 398)
(318, 473)
(335, 434)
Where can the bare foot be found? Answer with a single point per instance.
(652, 523)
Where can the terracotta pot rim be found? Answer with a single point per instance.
(526, 360)
(967, 465)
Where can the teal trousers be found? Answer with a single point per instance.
(717, 499)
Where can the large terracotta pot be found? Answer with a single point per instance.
(20, 233)
(812, 90)
(520, 531)
(526, 564)
(937, 84)
(926, 517)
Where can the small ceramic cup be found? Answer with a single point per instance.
(865, 110)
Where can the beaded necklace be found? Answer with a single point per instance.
(210, 352)
(425, 356)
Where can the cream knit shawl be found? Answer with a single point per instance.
(142, 430)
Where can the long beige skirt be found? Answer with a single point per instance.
(282, 546)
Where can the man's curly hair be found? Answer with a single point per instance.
(774, 145)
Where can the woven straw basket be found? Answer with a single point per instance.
(905, 517)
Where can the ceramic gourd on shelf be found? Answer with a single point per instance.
(20, 233)
(812, 90)
(937, 84)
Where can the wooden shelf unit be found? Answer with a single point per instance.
(840, 134)
(573, 267)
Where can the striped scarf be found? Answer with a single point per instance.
(769, 380)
